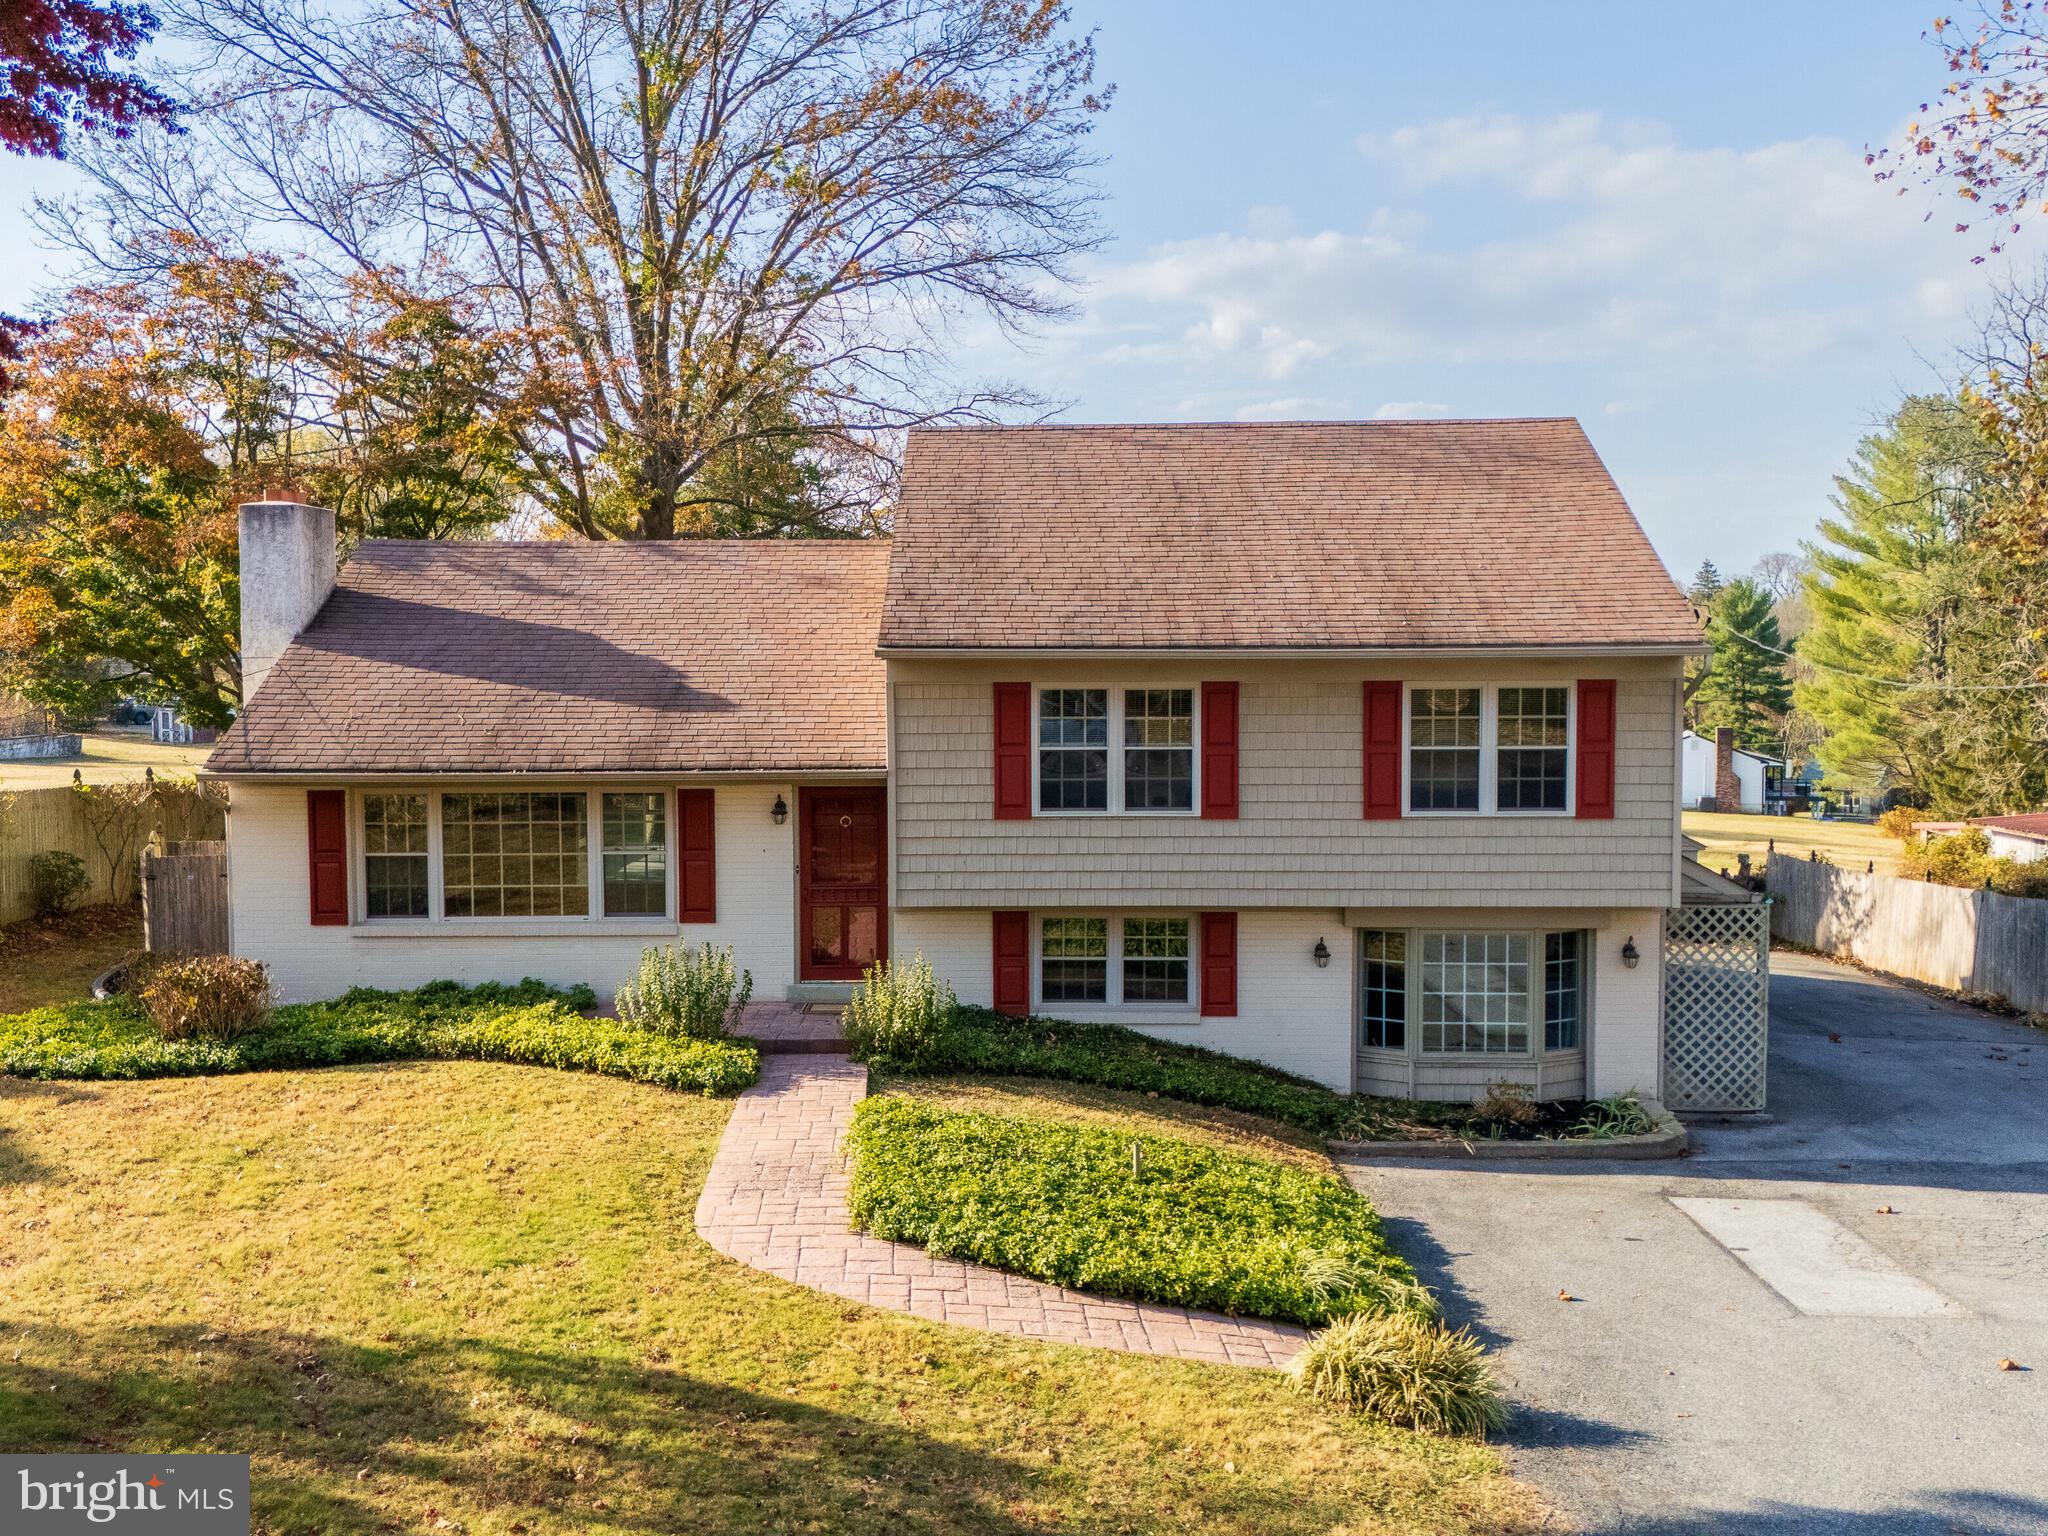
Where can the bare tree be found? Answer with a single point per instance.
(722, 229)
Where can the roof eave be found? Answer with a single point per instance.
(290, 776)
(1289, 652)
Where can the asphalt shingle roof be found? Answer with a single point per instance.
(1314, 534)
(580, 658)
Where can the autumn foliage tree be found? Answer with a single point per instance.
(737, 236)
(60, 73)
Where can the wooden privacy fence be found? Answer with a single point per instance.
(185, 899)
(105, 829)
(1970, 940)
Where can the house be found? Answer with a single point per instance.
(1348, 747)
(1720, 776)
(2022, 838)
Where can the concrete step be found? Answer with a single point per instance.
(835, 993)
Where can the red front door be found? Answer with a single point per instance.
(842, 880)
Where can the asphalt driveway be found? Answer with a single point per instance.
(1775, 1354)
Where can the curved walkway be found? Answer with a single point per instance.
(776, 1199)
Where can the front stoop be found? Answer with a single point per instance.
(832, 994)
(793, 1029)
(1667, 1140)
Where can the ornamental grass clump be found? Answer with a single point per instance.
(1407, 1370)
(686, 994)
(899, 1014)
(204, 997)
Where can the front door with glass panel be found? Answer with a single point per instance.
(842, 880)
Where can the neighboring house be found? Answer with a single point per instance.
(2022, 838)
(1709, 767)
(1350, 747)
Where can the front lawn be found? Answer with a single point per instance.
(528, 1023)
(467, 1297)
(1151, 1218)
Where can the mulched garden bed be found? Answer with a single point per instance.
(36, 935)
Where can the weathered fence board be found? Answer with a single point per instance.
(1973, 941)
(185, 899)
(35, 820)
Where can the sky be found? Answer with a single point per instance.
(1655, 218)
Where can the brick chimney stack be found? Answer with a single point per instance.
(1727, 788)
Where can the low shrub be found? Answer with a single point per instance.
(1507, 1103)
(1405, 1369)
(980, 1040)
(528, 1023)
(203, 997)
(1193, 1226)
(1965, 859)
(899, 1013)
(685, 994)
(1899, 822)
(56, 880)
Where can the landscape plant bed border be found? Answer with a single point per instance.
(1669, 1139)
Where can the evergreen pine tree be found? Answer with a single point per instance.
(1746, 687)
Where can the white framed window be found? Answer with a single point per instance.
(486, 854)
(1115, 751)
(1108, 960)
(1465, 994)
(1493, 749)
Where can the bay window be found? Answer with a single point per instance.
(1470, 994)
(1115, 750)
(1479, 750)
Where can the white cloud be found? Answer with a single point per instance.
(1410, 410)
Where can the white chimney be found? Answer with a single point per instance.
(288, 564)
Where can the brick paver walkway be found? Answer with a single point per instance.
(776, 1199)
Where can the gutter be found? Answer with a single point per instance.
(1288, 652)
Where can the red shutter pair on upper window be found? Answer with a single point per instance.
(1216, 955)
(1596, 740)
(327, 856)
(1013, 751)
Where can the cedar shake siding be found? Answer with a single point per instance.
(1300, 838)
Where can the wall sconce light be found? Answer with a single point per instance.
(1630, 955)
(1322, 954)
(779, 812)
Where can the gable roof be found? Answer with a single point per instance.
(580, 658)
(1313, 535)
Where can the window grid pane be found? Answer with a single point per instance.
(1155, 959)
(1383, 1003)
(1443, 749)
(1073, 749)
(635, 855)
(516, 855)
(1532, 730)
(1159, 749)
(394, 855)
(1074, 960)
(1475, 993)
(1563, 994)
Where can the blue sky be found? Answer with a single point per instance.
(1653, 217)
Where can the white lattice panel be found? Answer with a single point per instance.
(1717, 984)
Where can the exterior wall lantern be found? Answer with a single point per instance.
(1630, 955)
(1322, 954)
(779, 811)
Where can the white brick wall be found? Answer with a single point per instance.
(268, 912)
(1300, 1018)
(1301, 839)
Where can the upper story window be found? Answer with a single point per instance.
(1153, 768)
(1487, 749)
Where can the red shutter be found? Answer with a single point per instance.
(1219, 751)
(1596, 749)
(1013, 963)
(1382, 751)
(1219, 965)
(697, 840)
(327, 856)
(1013, 751)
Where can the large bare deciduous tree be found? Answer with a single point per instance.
(735, 238)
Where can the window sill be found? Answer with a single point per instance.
(516, 928)
(1128, 1016)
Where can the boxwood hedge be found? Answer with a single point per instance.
(529, 1023)
(1195, 1226)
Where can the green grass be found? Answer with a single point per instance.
(467, 1298)
(528, 1023)
(1194, 1226)
(1851, 844)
